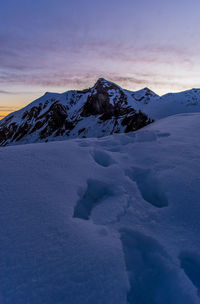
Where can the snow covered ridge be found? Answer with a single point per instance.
(113, 220)
(102, 110)
(99, 111)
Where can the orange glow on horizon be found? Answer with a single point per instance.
(4, 113)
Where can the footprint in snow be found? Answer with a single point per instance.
(102, 158)
(153, 276)
(149, 186)
(94, 195)
(190, 263)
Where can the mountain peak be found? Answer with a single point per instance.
(103, 83)
(149, 92)
(102, 110)
(102, 80)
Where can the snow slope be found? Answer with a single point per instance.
(110, 220)
(173, 103)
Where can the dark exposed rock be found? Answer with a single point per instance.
(135, 121)
(7, 132)
(39, 124)
(106, 104)
(33, 113)
(100, 101)
(83, 91)
(21, 131)
(97, 104)
(69, 125)
(81, 131)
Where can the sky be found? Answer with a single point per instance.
(57, 45)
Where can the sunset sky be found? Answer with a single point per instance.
(57, 45)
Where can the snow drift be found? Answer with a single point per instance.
(110, 220)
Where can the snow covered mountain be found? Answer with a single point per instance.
(172, 103)
(108, 220)
(99, 111)
(102, 110)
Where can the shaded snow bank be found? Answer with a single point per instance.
(110, 220)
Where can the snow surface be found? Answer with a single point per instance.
(110, 220)
(172, 103)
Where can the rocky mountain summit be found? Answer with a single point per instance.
(101, 110)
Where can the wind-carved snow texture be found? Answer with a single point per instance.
(102, 158)
(146, 136)
(149, 186)
(150, 271)
(190, 262)
(111, 147)
(95, 193)
(163, 134)
(83, 144)
(119, 248)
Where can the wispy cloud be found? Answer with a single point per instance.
(6, 108)
(75, 63)
(8, 92)
(4, 92)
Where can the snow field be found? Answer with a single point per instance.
(110, 220)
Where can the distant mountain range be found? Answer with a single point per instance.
(99, 111)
